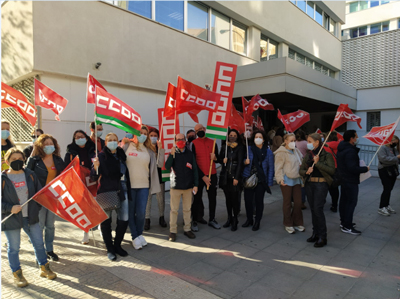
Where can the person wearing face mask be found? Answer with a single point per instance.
(190, 136)
(231, 175)
(96, 138)
(110, 166)
(18, 185)
(388, 169)
(142, 164)
(204, 154)
(287, 166)
(260, 161)
(156, 146)
(83, 147)
(28, 150)
(6, 142)
(317, 171)
(46, 163)
(184, 181)
(349, 169)
(277, 140)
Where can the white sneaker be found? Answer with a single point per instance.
(383, 212)
(290, 229)
(137, 244)
(142, 240)
(390, 210)
(300, 228)
(85, 239)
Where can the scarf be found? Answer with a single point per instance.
(232, 144)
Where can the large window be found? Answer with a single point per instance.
(373, 120)
(142, 8)
(310, 63)
(170, 13)
(220, 29)
(369, 29)
(268, 48)
(302, 5)
(318, 15)
(197, 21)
(310, 9)
(361, 5)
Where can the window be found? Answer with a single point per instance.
(363, 5)
(332, 26)
(399, 24)
(373, 120)
(310, 9)
(302, 5)
(220, 29)
(197, 20)
(362, 31)
(384, 2)
(170, 13)
(142, 8)
(331, 74)
(326, 21)
(385, 26)
(353, 6)
(375, 28)
(318, 15)
(374, 3)
(272, 49)
(300, 58)
(317, 66)
(268, 48)
(239, 37)
(325, 70)
(309, 62)
(292, 54)
(263, 49)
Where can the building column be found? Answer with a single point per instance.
(283, 50)
(253, 43)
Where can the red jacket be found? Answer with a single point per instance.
(204, 147)
(331, 147)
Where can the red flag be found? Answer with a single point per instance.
(67, 197)
(293, 121)
(49, 99)
(192, 97)
(236, 121)
(382, 135)
(257, 102)
(344, 114)
(339, 136)
(318, 131)
(111, 110)
(91, 89)
(84, 174)
(245, 106)
(260, 125)
(14, 99)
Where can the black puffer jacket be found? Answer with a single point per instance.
(348, 163)
(37, 165)
(9, 198)
(234, 166)
(73, 150)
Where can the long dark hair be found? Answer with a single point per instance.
(239, 137)
(80, 131)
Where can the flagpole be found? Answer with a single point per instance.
(320, 150)
(375, 155)
(162, 123)
(183, 123)
(209, 173)
(95, 133)
(2, 221)
(226, 147)
(87, 81)
(174, 129)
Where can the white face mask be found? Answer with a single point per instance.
(247, 134)
(292, 145)
(258, 141)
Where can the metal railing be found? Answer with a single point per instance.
(366, 154)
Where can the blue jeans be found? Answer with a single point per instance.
(348, 203)
(34, 233)
(46, 222)
(137, 211)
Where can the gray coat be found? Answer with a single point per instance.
(387, 156)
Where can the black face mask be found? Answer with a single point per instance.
(393, 145)
(201, 134)
(17, 165)
(191, 138)
(232, 139)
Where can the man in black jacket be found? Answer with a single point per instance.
(348, 164)
(184, 181)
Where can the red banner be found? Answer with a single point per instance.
(344, 114)
(167, 137)
(260, 125)
(91, 89)
(236, 121)
(245, 106)
(111, 110)
(192, 97)
(224, 84)
(67, 197)
(15, 99)
(382, 135)
(293, 121)
(49, 99)
(339, 137)
(318, 131)
(255, 103)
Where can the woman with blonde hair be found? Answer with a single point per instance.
(6, 142)
(142, 164)
(46, 163)
(287, 166)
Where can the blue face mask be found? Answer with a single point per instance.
(153, 140)
(356, 142)
(129, 135)
(49, 149)
(310, 146)
(5, 134)
(322, 139)
(112, 145)
(80, 141)
(142, 138)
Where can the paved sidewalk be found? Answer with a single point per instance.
(268, 263)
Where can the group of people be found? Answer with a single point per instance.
(130, 170)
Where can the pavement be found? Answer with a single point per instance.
(268, 263)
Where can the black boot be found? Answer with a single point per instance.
(248, 223)
(321, 242)
(106, 233)
(256, 225)
(313, 238)
(147, 224)
(119, 236)
(235, 223)
(162, 222)
(228, 222)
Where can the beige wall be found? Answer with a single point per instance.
(16, 40)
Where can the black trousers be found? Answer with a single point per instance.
(232, 197)
(198, 206)
(316, 196)
(348, 203)
(388, 184)
(334, 192)
(258, 195)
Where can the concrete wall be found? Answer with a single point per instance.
(16, 40)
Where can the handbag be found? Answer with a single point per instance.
(393, 170)
(109, 201)
(252, 181)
